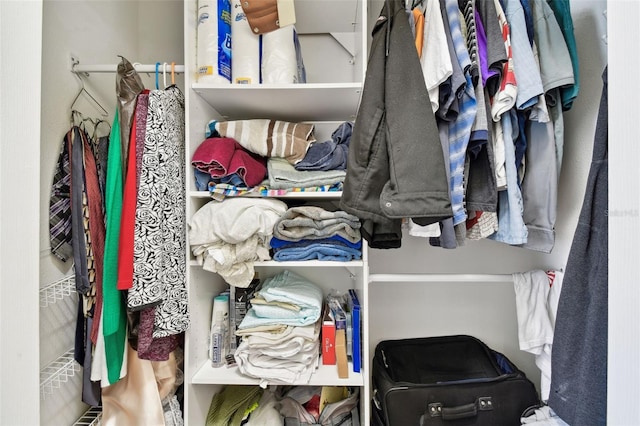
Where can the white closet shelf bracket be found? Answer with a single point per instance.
(57, 372)
(457, 278)
(57, 290)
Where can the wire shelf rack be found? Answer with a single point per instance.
(57, 372)
(57, 291)
(92, 417)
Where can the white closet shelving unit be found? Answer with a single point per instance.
(333, 37)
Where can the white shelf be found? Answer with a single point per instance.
(302, 264)
(303, 195)
(290, 102)
(325, 375)
(57, 372)
(57, 291)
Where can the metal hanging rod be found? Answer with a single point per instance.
(111, 68)
(456, 278)
(78, 68)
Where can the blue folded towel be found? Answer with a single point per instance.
(277, 243)
(319, 251)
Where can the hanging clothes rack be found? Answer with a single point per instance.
(440, 278)
(78, 68)
(406, 278)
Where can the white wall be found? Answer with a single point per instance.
(96, 32)
(624, 217)
(20, 50)
(488, 310)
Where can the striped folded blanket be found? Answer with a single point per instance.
(269, 138)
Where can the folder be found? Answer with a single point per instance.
(356, 321)
(328, 338)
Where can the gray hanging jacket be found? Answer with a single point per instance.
(396, 163)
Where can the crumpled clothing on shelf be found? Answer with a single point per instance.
(267, 412)
(313, 222)
(229, 406)
(233, 262)
(331, 154)
(228, 237)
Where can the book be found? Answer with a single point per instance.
(341, 353)
(328, 338)
(356, 330)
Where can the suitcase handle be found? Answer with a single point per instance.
(437, 409)
(459, 412)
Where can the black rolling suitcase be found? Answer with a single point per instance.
(448, 381)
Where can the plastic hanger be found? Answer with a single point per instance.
(85, 91)
(157, 68)
(173, 73)
(164, 75)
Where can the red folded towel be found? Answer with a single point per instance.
(224, 156)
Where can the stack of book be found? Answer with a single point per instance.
(341, 333)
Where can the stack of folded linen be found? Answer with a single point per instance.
(311, 232)
(228, 237)
(280, 332)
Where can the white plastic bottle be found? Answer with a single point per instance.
(218, 343)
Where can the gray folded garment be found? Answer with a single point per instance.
(329, 155)
(312, 222)
(282, 175)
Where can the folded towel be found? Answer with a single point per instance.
(277, 243)
(331, 154)
(283, 175)
(270, 370)
(268, 138)
(314, 222)
(221, 157)
(285, 287)
(319, 251)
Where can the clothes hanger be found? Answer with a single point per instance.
(164, 75)
(173, 73)
(157, 68)
(86, 92)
